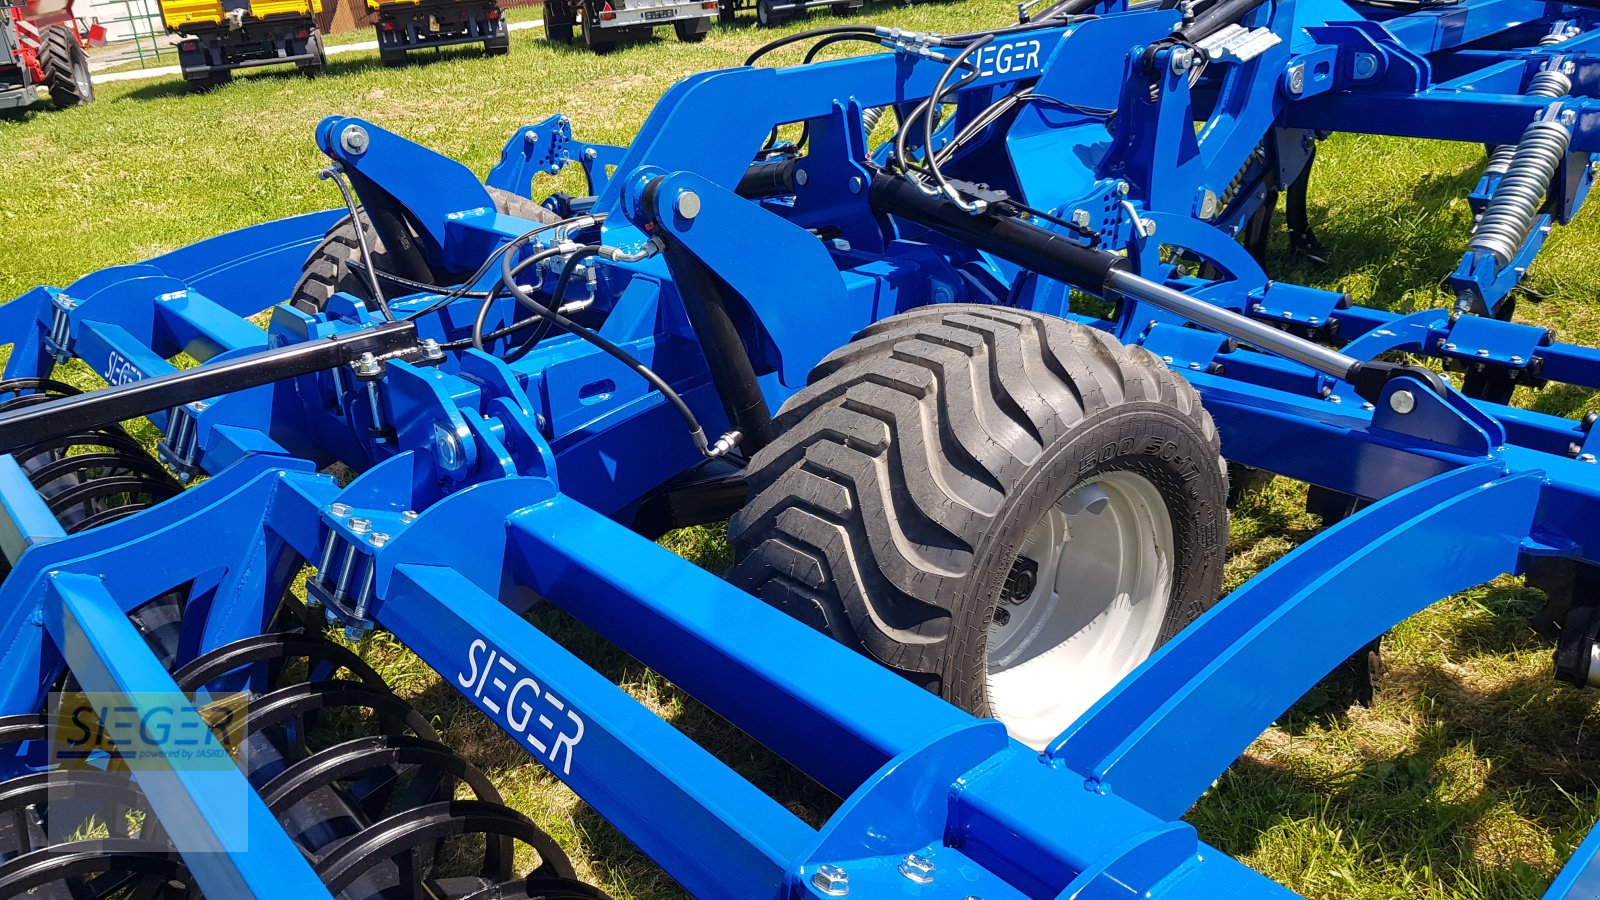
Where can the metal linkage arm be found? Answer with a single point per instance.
(1098, 271)
(26, 427)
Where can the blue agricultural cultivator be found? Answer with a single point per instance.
(969, 394)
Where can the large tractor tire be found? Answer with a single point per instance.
(1007, 508)
(66, 67)
(327, 270)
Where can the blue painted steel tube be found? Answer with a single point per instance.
(1580, 877)
(804, 699)
(25, 520)
(706, 825)
(208, 813)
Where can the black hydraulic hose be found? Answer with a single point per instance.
(573, 261)
(696, 433)
(1062, 9)
(865, 31)
(1216, 18)
(1100, 272)
(726, 357)
(336, 174)
(1034, 248)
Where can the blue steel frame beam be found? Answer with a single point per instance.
(229, 839)
(1166, 733)
(1469, 117)
(706, 636)
(623, 754)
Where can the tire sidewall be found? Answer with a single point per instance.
(1144, 438)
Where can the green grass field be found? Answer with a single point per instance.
(1472, 775)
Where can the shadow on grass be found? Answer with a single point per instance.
(1405, 246)
(1492, 791)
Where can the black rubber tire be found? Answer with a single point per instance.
(596, 40)
(312, 68)
(558, 22)
(325, 271)
(687, 32)
(889, 510)
(768, 15)
(66, 67)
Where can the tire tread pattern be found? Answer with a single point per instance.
(867, 513)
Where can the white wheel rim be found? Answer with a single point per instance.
(1104, 557)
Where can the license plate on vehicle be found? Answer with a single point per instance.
(658, 14)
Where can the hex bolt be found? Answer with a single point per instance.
(1451, 347)
(1517, 360)
(1586, 457)
(368, 365)
(408, 516)
(590, 153)
(831, 880)
(378, 538)
(353, 139)
(339, 510)
(1123, 188)
(1080, 218)
(918, 868)
(1483, 351)
(360, 525)
(431, 349)
(688, 204)
(1402, 402)
(531, 137)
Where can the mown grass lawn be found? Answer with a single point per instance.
(1472, 775)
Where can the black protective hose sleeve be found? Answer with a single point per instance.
(724, 348)
(1024, 243)
(767, 180)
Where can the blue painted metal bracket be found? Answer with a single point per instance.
(1166, 733)
(392, 164)
(547, 148)
(784, 308)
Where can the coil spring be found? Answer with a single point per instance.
(376, 813)
(1561, 32)
(1258, 156)
(870, 118)
(1510, 215)
(1550, 82)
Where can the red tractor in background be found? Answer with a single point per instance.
(40, 48)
